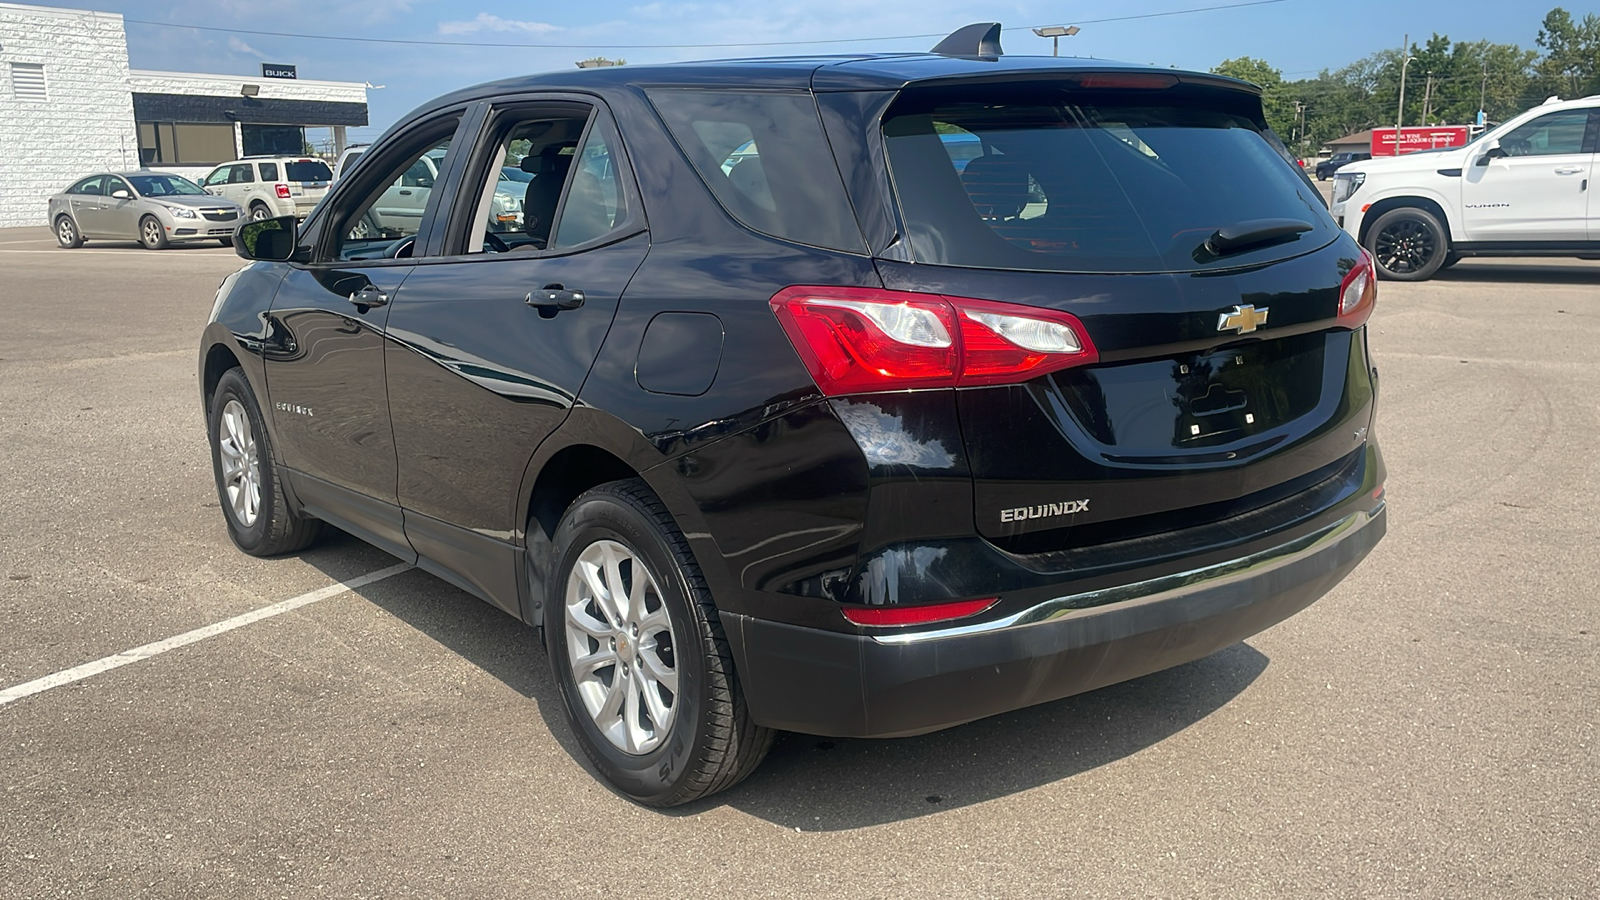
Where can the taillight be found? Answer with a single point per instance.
(863, 339)
(283, 190)
(1358, 293)
(917, 615)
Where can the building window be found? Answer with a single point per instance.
(27, 81)
(185, 143)
(273, 140)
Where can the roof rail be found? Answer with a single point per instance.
(978, 39)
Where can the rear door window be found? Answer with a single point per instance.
(269, 171)
(766, 160)
(1045, 180)
(242, 175)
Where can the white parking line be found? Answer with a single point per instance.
(78, 673)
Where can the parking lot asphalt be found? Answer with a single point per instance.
(1426, 729)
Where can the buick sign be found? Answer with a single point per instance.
(277, 70)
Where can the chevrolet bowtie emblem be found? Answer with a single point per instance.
(1243, 319)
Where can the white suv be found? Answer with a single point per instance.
(1520, 189)
(271, 186)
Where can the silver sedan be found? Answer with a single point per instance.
(156, 209)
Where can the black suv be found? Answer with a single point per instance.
(775, 414)
(1334, 163)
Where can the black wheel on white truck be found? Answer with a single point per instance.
(1408, 244)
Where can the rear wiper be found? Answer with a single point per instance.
(1253, 233)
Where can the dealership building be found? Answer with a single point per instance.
(70, 106)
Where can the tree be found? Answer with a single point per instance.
(1278, 106)
(1571, 65)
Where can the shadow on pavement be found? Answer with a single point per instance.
(829, 784)
(1476, 271)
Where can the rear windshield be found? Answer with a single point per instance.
(310, 170)
(1087, 182)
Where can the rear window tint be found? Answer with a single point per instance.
(1044, 180)
(269, 171)
(314, 170)
(765, 159)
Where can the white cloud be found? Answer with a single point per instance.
(492, 23)
(239, 46)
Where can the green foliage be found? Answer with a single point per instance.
(1445, 82)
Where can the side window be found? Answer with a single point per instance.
(217, 176)
(1557, 133)
(114, 184)
(269, 171)
(529, 165)
(86, 186)
(242, 175)
(594, 204)
(381, 216)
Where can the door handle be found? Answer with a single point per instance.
(369, 296)
(553, 298)
(1570, 170)
(405, 193)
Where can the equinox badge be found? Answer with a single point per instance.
(1243, 319)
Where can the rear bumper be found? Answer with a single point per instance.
(894, 684)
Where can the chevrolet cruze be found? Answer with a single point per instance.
(855, 396)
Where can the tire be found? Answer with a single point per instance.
(67, 234)
(1408, 244)
(226, 242)
(259, 212)
(151, 235)
(259, 518)
(708, 742)
(1450, 259)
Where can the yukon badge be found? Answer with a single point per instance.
(1044, 511)
(1243, 319)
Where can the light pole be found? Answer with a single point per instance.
(1055, 33)
(1400, 114)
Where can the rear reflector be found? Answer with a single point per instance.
(1149, 81)
(917, 615)
(854, 340)
(1358, 293)
(282, 189)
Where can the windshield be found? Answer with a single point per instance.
(1046, 180)
(308, 170)
(163, 185)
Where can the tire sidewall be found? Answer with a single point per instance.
(234, 386)
(1441, 243)
(658, 774)
(259, 213)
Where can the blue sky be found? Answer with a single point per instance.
(1298, 36)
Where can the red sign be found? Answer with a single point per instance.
(1414, 138)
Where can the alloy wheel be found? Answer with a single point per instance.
(259, 214)
(65, 232)
(621, 647)
(1405, 245)
(241, 465)
(152, 233)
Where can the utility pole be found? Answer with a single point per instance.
(1483, 92)
(1427, 102)
(1400, 114)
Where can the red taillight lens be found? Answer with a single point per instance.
(283, 190)
(917, 615)
(1358, 293)
(863, 339)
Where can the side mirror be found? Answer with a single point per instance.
(121, 194)
(272, 240)
(1491, 150)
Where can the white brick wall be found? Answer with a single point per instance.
(86, 122)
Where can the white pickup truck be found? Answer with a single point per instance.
(1520, 189)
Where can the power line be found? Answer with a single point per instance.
(901, 37)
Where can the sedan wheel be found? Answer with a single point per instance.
(151, 234)
(67, 233)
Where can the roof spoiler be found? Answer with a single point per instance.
(978, 39)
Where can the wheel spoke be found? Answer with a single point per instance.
(586, 666)
(658, 671)
(630, 714)
(660, 713)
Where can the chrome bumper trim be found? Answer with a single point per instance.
(1154, 590)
